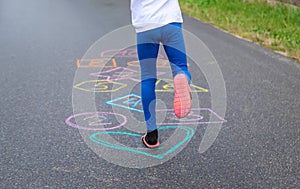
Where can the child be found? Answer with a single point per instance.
(160, 21)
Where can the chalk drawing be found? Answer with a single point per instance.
(121, 73)
(103, 86)
(97, 63)
(118, 73)
(189, 132)
(130, 102)
(99, 120)
(95, 121)
(130, 53)
(160, 63)
(197, 116)
(167, 85)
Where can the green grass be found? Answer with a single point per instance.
(273, 25)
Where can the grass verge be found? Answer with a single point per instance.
(272, 24)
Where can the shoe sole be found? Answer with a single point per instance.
(149, 145)
(182, 96)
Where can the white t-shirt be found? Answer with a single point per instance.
(150, 14)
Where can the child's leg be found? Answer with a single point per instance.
(147, 48)
(174, 46)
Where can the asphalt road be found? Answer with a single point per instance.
(40, 44)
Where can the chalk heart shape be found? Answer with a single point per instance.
(189, 133)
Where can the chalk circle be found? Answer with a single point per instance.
(98, 124)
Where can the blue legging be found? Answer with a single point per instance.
(148, 43)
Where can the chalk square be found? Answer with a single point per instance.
(121, 73)
(118, 73)
(130, 102)
(197, 116)
(123, 53)
(161, 63)
(167, 85)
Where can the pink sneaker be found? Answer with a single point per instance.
(182, 96)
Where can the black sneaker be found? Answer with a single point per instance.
(150, 139)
